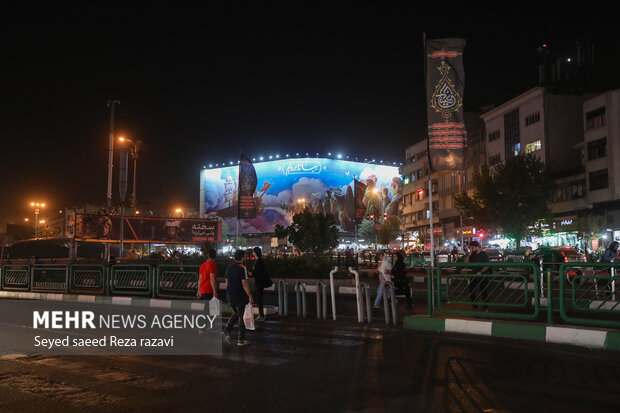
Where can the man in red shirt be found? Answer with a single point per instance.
(207, 283)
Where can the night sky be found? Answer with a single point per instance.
(200, 86)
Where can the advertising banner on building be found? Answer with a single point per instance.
(286, 187)
(445, 82)
(150, 229)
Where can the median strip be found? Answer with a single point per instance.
(576, 336)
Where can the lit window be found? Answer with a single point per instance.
(533, 146)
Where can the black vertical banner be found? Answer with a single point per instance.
(445, 81)
(247, 187)
(359, 192)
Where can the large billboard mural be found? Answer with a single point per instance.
(285, 187)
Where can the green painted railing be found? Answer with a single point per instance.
(590, 289)
(88, 278)
(174, 281)
(130, 279)
(49, 277)
(15, 277)
(505, 295)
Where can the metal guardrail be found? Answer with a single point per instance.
(300, 294)
(388, 289)
(49, 277)
(358, 297)
(589, 292)
(282, 297)
(127, 279)
(15, 277)
(500, 291)
(363, 291)
(88, 278)
(176, 281)
(332, 290)
(321, 300)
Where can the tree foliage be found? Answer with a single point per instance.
(314, 233)
(389, 230)
(367, 231)
(509, 197)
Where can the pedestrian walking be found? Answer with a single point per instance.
(238, 295)
(261, 281)
(401, 282)
(207, 283)
(481, 284)
(384, 276)
(611, 253)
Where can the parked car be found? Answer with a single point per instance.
(495, 254)
(553, 257)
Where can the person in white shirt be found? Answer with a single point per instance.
(384, 275)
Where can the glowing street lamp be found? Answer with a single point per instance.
(37, 207)
(179, 211)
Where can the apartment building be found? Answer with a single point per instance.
(447, 222)
(601, 159)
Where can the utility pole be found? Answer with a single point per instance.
(111, 104)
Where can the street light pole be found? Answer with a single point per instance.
(37, 206)
(111, 104)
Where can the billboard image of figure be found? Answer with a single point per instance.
(288, 186)
(148, 229)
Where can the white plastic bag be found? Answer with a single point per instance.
(248, 317)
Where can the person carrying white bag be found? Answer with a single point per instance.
(239, 296)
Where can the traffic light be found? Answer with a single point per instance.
(481, 234)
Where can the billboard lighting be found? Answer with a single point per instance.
(277, 156)
(253, 159)
(261, 158)
(339, 156)
(347, 157)
(297, 154)
(287, 155)
(270, 157)
(329, 154)
(231, 162)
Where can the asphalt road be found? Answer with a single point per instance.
(309, 365)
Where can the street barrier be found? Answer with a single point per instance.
(388, 289)
(332, 290)
(592, 293)
(87, 278)
(321, 300)
(283, 297)
(358, 298)
(504, 291)
(49, 277)
(15, 278)
(175, 281)
(128, 279)
(364, 293)
(300, 295)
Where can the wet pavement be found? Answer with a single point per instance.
(309, 365)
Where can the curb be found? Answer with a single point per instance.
(583, 337)
(191, 305)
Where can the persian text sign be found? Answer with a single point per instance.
(445, 81)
